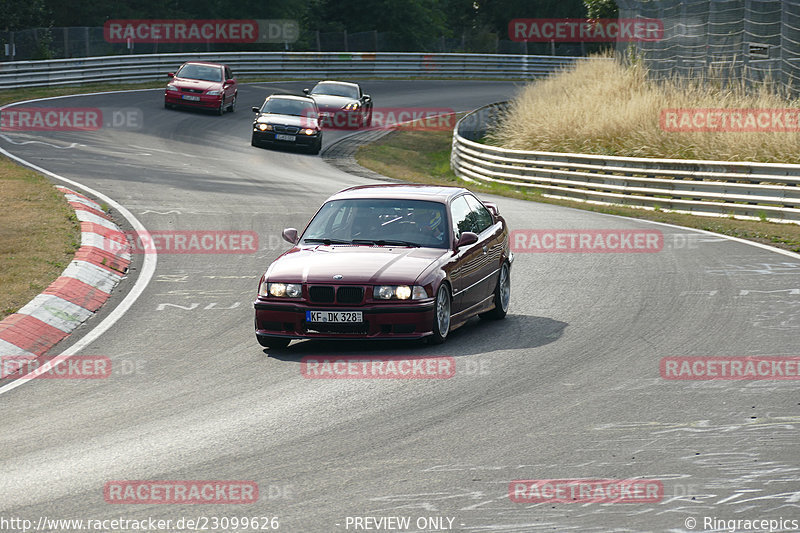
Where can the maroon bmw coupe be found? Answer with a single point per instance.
(387, 262)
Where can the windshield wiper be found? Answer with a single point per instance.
(385, 242)
(327, 242)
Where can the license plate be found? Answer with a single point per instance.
(282, 137)
(334, 316)
(189, 97)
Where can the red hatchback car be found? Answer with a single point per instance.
(387, 262)
(202, 85)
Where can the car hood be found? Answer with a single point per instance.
(330, 103)
(376, 265)
(287, 120)
(187, 83)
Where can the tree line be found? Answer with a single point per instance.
(413, 22)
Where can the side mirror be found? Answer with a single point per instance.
(367, 98)
(255, 109)
(466, 239)
(306, 91)
(230, 81)
(170, 74)
(290, 235)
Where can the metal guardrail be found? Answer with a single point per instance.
(711, 188)
(292, 65)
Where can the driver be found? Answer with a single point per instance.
(430, 225)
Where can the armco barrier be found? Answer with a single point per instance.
(291, 65)
(711, 188)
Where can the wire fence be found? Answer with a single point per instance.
(721, 39)
(72, 42)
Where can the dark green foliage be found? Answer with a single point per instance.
(601, 9)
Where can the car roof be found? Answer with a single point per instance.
(206, 63)
(339, 83)
(412, 191)
(291, 97)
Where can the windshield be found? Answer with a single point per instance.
(336, 89)
(370, 221)
(200, 72)
(280, 106)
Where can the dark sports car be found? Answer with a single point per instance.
(285, 120)
(387, 261)
(202, 85)
(342, 105)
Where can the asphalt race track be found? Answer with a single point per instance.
(568, 386)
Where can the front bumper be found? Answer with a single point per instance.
(341, 119)
(205, 102)
(301, 139)
(384, 321)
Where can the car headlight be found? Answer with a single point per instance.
(399, 292)
(214, 92)
(171, 87)
(307, 131)
(264, 127)
(281, 290)
(352, 106)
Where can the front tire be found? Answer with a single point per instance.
(232, 107)
(441, 315)
(502, 296)
(273, 342)
(221, 108)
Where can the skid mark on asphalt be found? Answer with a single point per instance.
(760, 269)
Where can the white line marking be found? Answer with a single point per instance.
(737, 239)
(12, 141)
(148, 269)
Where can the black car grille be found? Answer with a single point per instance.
(346, 294)
(328, 327)
(320, 294)
(285, 129)
(184, 89)
(350, 295)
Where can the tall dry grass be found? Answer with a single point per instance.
(604, 107)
